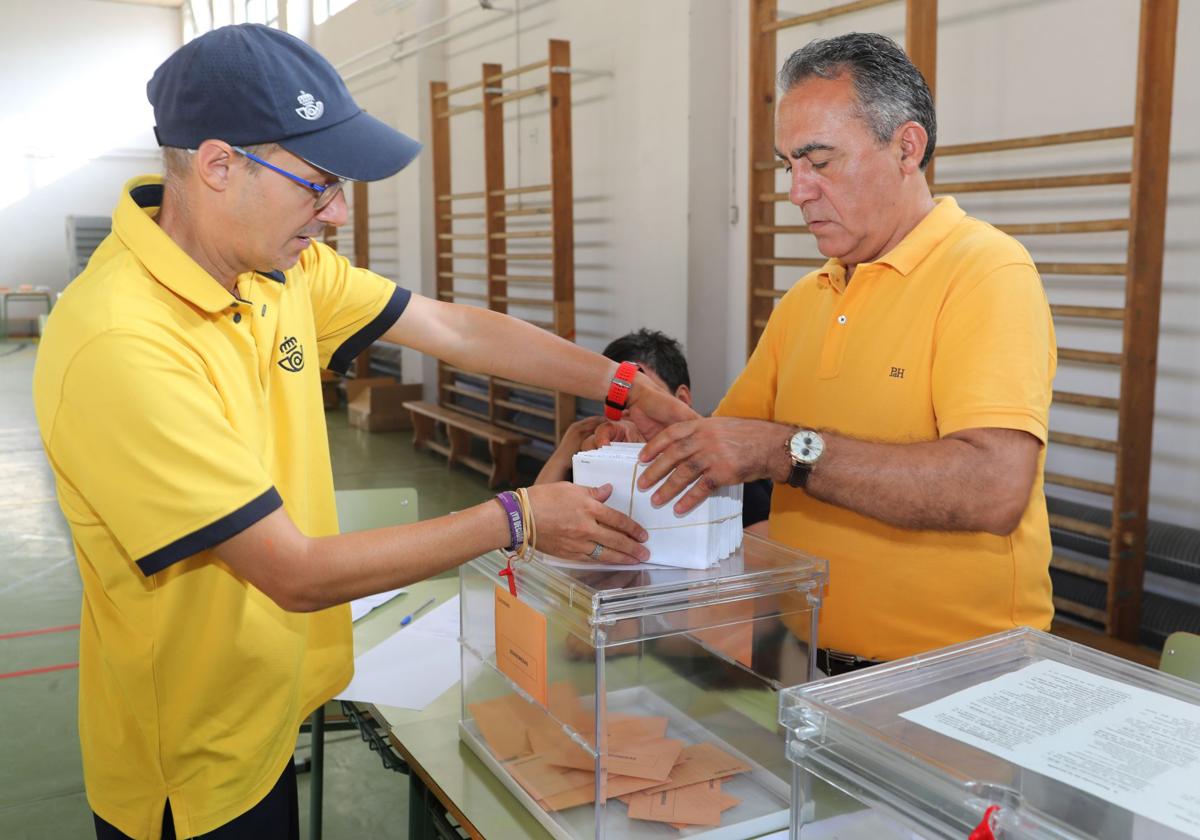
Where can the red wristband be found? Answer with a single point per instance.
(618, 390)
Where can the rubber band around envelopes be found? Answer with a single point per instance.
(718, 516)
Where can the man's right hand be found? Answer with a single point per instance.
(571, 520)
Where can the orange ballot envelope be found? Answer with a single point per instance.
(521, 644)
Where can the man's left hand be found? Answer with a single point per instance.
(710, 453)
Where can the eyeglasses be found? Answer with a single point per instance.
(326, 193)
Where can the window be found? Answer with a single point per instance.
(261, 11)
(325, 9)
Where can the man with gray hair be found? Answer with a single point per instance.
(899, 395)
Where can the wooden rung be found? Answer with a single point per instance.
(538, 302)
(463, 275)
(453, 216)
(1082, 610)
(482, 396)
(462, 236)
(522, 190)
(460, 89)
(462, 255)
(524, 234)
(460, 196)
(1078, 567)
(479, 415)
(525, 211)
(1090, 269)
(546, 325)
(520, 94)
(1060, 480)
(1090, 226)
(524, 278)
(764, 165)
(533, 433)
(1104, 313)
(1045, 183)
(517, 386)
(1080, 526)
(461, 109)
(824, 14)
(1096, 357)
(450, 294)
(813, 262)
(770, 293)
(460, 372)
(781, 228)
(760, 323)
(1085, 136)
(1084, 441)
(516, 256)
(517, 71)
(1090, 400)
(527, 409)
(770, 197)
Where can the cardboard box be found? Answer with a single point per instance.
(354, 387)
(330, 395)
(380, 408)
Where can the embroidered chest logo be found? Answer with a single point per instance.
(897, 373)
(293, 355)
(310, 108)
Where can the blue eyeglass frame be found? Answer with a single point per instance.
(320, 189)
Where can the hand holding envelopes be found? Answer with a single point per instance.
(696, 540)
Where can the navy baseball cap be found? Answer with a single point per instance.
(250, 84)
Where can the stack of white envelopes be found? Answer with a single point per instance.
(697, 540)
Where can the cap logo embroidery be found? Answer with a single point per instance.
(310, 108)
(293, 355)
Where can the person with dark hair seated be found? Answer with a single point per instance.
(661, 359)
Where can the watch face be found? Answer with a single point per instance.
(806, 447)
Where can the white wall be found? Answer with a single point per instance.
(75, 124)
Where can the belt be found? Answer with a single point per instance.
(835, 662)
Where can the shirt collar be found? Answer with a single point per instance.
(134, 222)
(912, 249)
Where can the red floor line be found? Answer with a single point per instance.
(31, 671)
(22, 633)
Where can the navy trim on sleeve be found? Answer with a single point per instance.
(211, 534)
(361, 340)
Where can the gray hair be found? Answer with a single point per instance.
(177, 162)
(891, 90)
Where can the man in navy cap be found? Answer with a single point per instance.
(178, 397)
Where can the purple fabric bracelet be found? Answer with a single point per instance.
(512, 510)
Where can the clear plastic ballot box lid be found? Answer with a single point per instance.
(626, 701)
(1030, 735)
(606, 604)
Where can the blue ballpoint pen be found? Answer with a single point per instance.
(407, 620)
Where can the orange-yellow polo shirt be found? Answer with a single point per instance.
(949, 330)
(176, 414)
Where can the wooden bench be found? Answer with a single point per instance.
(1099, 641)
(460, 428)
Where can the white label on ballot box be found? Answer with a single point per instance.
(1129, 746)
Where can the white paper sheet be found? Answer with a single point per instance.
(1129, 746)
(361, 606)
(414, 666)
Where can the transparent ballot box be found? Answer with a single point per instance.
(636, 701)
(1015, 735)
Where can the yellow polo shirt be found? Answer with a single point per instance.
(950, 330)
(175, 415)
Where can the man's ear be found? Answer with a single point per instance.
(684, 394)
(213, 164)
(912, 140)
